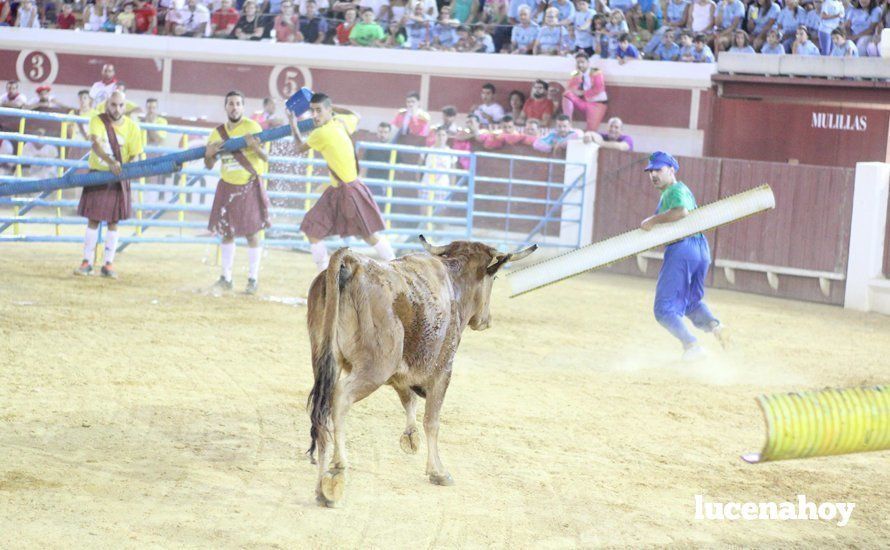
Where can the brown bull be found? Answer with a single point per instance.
(400, 324)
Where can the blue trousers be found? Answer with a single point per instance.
(681, 287)
(825, 43)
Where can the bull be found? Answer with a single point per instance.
(399, 324)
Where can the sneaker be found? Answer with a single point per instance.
(722, 335)
(694, 353)
(84, 269)
(108, 271)
(251, 286)
(223, 284)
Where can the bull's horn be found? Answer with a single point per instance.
(434, 250)
(518, 255)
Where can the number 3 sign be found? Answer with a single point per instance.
(286, 80)
(37, 67)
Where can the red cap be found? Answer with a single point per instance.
(43, 88)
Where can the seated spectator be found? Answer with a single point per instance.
(45, 101)
(224, 20)
(842, 46)
(384, 135)
(192, 20)
(626, 50)
(701, 52)
(678, 17)
(494, 18)
(367, 32)
(830, 18)
(38, 150)
(322, 7)
(813, 17)
(728, 19)
(438, 161)
(742, 43)
(66, 19)
(773, 45)
(95, 17)
(668, 50)
(126, 19)
(552, 37)
(601, 38)
(482, 41)
(443, 35)
(702, 17)
(341, 38)
(525, 34)
(538, 106)
(557, 140)
(791, 17)
(802, 44)
(565, 12)
(313, 27)
(508, 134)
(417, 29)
(586, 92)
(249, 26)
(146, 18)
(12, 98)
(760, 20)
(395, 35)
(646, 15)
(687, 50)
(517, 103)
(412, 120)
(488, 112)
(613, 138)
(464, 11)
(862, 20)
(554, 94)
(531, 131)
(464, 138)
(27, 16)
(398, 10)
(287, 24)
(615, 28)
(464, 40)
(449, 120)
(582, 28)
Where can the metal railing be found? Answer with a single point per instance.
(443, 203)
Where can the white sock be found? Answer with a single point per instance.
(89, 244)
(253, 257)
(228, 259)
(320, 255)
(110, 246)
(384, 250)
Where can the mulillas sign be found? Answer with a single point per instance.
(835, 121)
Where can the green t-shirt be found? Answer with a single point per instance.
(364, 34)
(676, 196)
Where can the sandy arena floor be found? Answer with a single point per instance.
(143, 412)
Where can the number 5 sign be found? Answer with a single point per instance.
(286, 80)
(37, 67)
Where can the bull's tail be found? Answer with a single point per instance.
(324, 366)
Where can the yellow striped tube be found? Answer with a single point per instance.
(825, 422)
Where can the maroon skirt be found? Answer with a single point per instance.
(105, 203)
(239, 210)
(346, 210)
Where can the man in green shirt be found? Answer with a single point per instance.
(681, 281)
(367, 32)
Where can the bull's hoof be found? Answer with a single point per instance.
(444, 480)
(333, 483)
(410, 442)
(324, 502)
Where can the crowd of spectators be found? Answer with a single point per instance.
(672, 30)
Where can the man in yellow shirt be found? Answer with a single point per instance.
(116, 140)
(240, 204)
(346, 208)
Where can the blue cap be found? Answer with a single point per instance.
(660, 159)
(298, 103)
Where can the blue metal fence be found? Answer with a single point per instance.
(518, 211)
